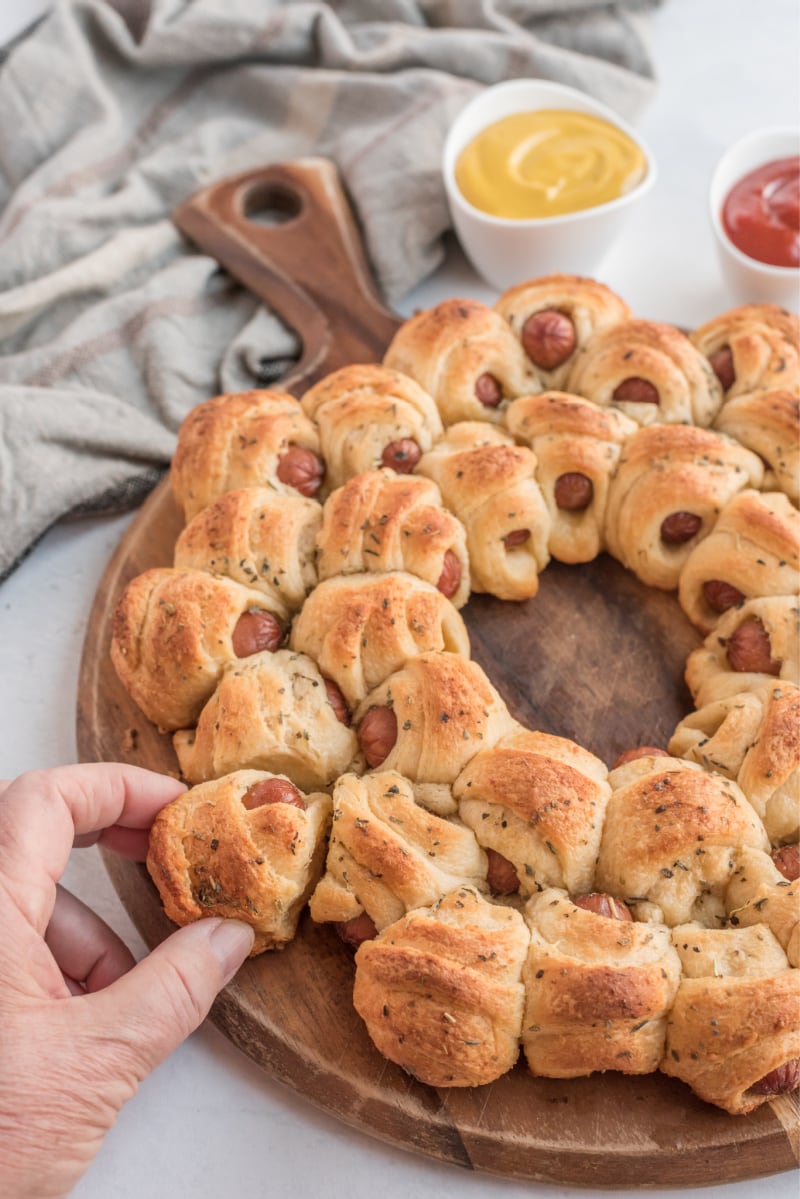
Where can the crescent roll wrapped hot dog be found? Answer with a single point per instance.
(440, 990)
(753, 644)
(250, 439)
(248, 846)
(768, 423)
(428, 720)
(489, 483)
(538, 802)
(362, 628)
(383, 521)
(273, 712)
(259, 538)
(368, 417)
(555, 316)
(752, 737)
(466, 357)
(733, 1033)
(764, 889)
(387, 854)
(175, 631)
(670, 486)
(753, 550)
(669, 836)
(577, 447)
(652, 372)
(752, 348)
(598, 989)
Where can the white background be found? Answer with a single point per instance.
(209, 1124)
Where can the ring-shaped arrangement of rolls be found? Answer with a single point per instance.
(502, 887)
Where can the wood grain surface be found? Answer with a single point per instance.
(596, 657)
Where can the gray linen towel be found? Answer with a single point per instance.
(113, 111)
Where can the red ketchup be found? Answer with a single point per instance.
(761, 213)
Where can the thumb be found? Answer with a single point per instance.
(153, 1008)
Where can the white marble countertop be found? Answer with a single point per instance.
(210, 1124)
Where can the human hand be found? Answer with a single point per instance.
(80, 1023)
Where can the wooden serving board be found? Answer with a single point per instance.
(596, 657)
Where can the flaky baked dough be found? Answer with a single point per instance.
(758, 894)
(171, 639)
(688, 390)
(259, 538)
(359, 629)
(490, 485)
(271, 712)
(539, 801)
(709, 673)
(734, 1018)
(440, 990)
(768, 423)
(666, 469)
(668, 838)
(236, 441)
(211, 856)
(387, 854)
(359, 410)
(754, 738)
(764, 341)
(384, 521)
(590, 306)
(597, 990)
(447, 349)
(570, 435)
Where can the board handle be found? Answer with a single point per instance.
(310, 268)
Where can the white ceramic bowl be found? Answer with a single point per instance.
(507, 251)
(749, 280)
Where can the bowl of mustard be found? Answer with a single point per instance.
(539, 178)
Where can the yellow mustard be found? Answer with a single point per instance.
(547, 163)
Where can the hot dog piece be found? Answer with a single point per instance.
(548, 338)
(356, 931)
(635, 391)
(787, 860)
(516, 538)
(337, 702)
(679, 527)
(641, 751)
(749, 649)
(501, 875)
(488, 390)
(269, 791)
(720, 596)
(780, 1081)
(722, 366)
(377, 734)
(604, 905)
(256, 630)
(450, 578)
(402, 455)
(302, 469)
(573, 491)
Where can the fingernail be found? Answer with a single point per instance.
(230, 942)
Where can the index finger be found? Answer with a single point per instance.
(42, 811)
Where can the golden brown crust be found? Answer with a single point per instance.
(383, 521)
(449, 347)
(258, 538)
(764, 343)
(539, 801)
(571, 435)
(758, 894)
(440, 990)
(171, 639)
(235, 441)
(709, 673)
(768, 423)
(598, 991)
(211, 856)
(490, 485)
(361, 628)
(666, 470)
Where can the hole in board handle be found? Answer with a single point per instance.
(271, 204)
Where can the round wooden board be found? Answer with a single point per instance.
(596, 657)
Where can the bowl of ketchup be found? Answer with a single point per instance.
(755, 213)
